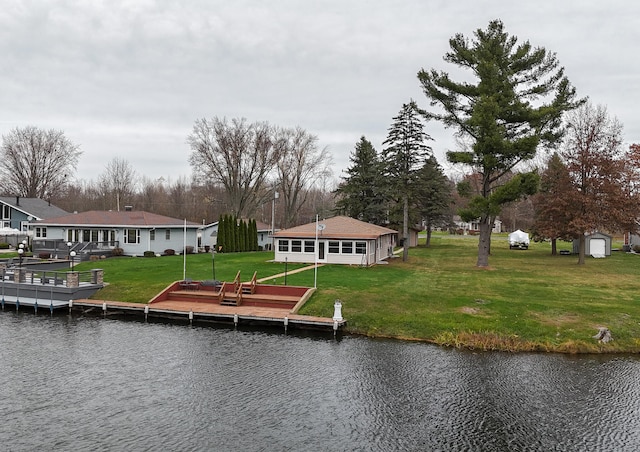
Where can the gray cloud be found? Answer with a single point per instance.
(128, 78)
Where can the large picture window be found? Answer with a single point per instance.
(132, 236)
(283, 246)
(296, 246)
(334, 247)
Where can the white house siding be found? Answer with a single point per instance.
(158, 245)
(342, 256)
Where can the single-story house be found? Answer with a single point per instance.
(473, 227)
(596, 244)
(17, 212)
(340, 240)
(209, 235)
(97, 231)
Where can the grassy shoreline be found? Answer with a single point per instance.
(527, 301)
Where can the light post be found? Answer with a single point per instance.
(21, 252)
(72, 254)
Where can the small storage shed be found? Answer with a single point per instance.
(597, 244)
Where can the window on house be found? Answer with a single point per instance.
(94, 235)
(132, 236)
(152, 234)
(309, 246)
(6, 212)
(334, 247)
(361, 247)
(283, 246)
(41, 233)
(347, 247)
(167, 234)
(296, 246)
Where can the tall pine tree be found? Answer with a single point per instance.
(361, 194)
(515, 106)
(404, 154)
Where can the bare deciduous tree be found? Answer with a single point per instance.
(238, 155)
(301, 163)
(117, 181)
(36, 163)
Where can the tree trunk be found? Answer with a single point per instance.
(405, 229)
(554, 247)
(428, 236)
(484, 244)
(581, 249)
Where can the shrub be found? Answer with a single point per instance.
(44, 255)
(188, 250)
(636, 248)
(4, 246)
(117, 252)
(149, 254)
(169, 252)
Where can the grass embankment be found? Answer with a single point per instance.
(527, 301)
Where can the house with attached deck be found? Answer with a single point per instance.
(98, 232)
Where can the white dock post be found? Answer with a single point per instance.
(235, 320)
(51, 307)
(337, 311)
(286, 323)
(70, 305)
(191, 317)
(146, 312)
(104, 308)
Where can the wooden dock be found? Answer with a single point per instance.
(193, 311)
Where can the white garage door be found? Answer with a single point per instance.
(597, 247)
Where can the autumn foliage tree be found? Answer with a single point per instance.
(552, 206)
(601, 196)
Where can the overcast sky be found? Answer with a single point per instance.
(128, 79)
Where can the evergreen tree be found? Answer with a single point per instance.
(361, 194)
(433, 196)
(253, 233)
(405, 153)
(242, 229)
(516, 105)
(220, 243)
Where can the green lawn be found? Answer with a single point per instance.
(527, 300)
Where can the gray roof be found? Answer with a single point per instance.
(36, 207)
(98, 218)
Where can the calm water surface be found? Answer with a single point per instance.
(74, 384)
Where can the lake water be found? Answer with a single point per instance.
(83, 383)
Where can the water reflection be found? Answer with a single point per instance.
(92, 383)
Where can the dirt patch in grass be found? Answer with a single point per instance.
(470, 310)
(555, 319)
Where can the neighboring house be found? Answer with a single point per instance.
(596, 245)
(631, 240)
(98, 232)
(340, 240)
(473, 227)
(17, 212)
(209, 235)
